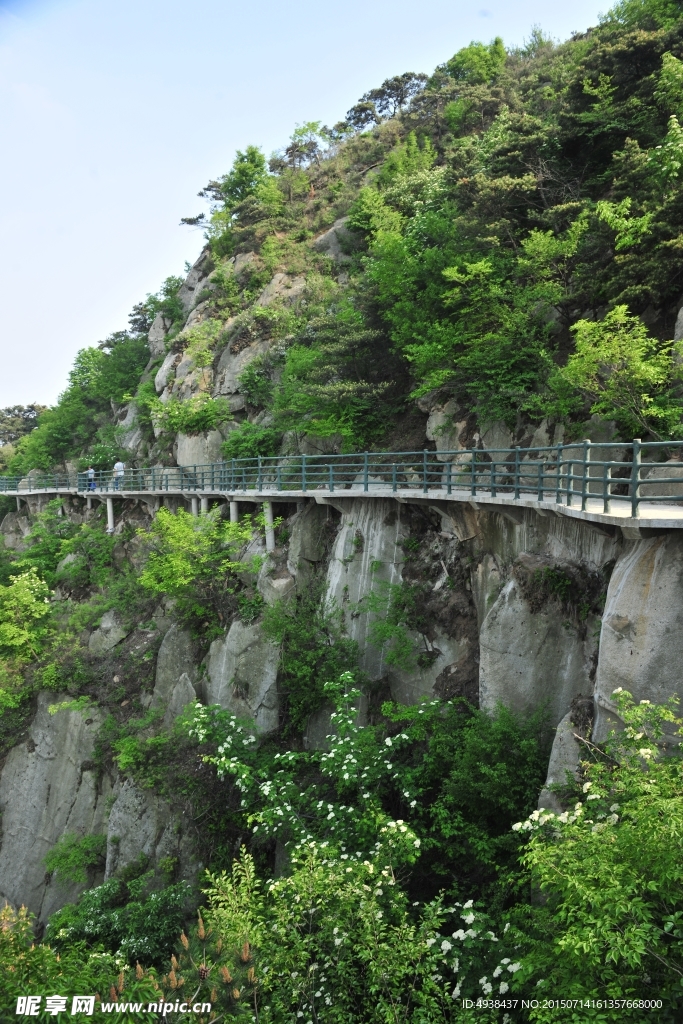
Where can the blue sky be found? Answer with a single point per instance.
(114, 113)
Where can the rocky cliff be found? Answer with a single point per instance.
(511, 611)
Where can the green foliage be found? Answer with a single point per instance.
(99, 376)
(409, 157)
(627, 374)
(166, 302)
(74, 857)
(314, 649)
(89, 554)
(50, 529)
(611, 872)
(195, 559)
(249, 441)
(669, 89)
(478, 63)
(24, 618)
(394, 610)
(125, 916)
(255, 383)
(647, 14)
(247, 172)
(334, 381)
(195, 415)
(27, 967)
(371, 215)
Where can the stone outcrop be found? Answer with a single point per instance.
(641, 641)
(176, 672)
(49, 785)
(333, 242)
(242, 676)
(283, 288)
(13, 529)
(110, 632)
(143, 824)
(199, 449)
(532, 659)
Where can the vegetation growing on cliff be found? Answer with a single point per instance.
(509, 236)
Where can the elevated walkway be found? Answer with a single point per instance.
(637, 487)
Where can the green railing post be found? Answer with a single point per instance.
(425, 484)
(259, 481)
(449, 477)
(586, 463)
(331, 473)
(365, 471)
(493, 478)
(606, 484)
(517, 473)
(558, 481)
(473, 466)
(279, 478)
(570, 481)
(303, 473)
(540, 480)
(635, 478)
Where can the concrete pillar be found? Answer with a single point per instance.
(205, 504)
(157, 504)
(18, 504)
(195, 506)
(110, 515)
(88, 502)
(270, 532)
(234, 512)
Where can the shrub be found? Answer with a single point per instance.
(249, 441)
(74, 857)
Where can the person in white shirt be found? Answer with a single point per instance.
(119, 470)
(91, 478)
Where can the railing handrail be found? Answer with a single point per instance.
(558, 474)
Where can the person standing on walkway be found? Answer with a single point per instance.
(119, 470)
(91, 478)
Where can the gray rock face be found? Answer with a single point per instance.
(331, 242)
(369, 535)
(110, 632)
(564, 758)
(166, 371)
(175, 669)
(528, 660)
(307, 541)
(157, 335)
(199, 449)
(13, 529)
(142, 823)
(672, 473)
(194, 281)
(48, 786)
(232, 364)
(641, 641)
(287, 289)
(242, 676)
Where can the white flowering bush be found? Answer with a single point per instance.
(611, 870)
(338, 937)
(336, 940)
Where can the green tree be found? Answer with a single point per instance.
(478, 63)
(611, 872)
(195, 559)
(627, 374)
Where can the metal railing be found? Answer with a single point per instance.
(589, 475)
